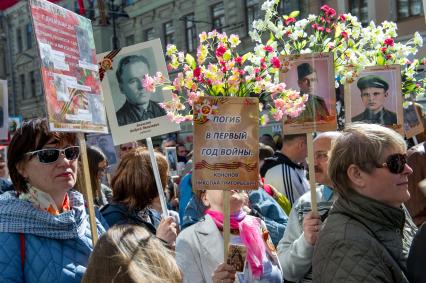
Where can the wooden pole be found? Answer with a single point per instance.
(157, 178)
(88, 188)
(310, 145)
(226, 223)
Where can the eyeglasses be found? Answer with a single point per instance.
(50, 155)
(395, 163)
(126, 148)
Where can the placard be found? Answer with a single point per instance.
(226, 147)
(413, 123)
(104, 142)
(313, 75)
(70, 74)
(134, 113)
(4, 123)
(375, 97)
(171, 157)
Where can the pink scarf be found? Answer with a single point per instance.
(250, 236)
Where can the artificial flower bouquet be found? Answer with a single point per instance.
(219, 70)
(353, 45)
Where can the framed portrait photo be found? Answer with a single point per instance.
(133, 113)
(375, 97)
(171, 157)
(313, 75)
(413, 122)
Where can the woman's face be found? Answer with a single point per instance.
(214, 200)
(102, 166)
(52, 178)
(385, 186)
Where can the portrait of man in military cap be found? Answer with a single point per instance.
(316, 108)
(313, 76)
(374, 90)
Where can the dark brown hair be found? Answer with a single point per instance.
(33, 135)
(134, 183)
(95, 156)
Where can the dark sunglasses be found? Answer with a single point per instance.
(50, 155)
(395, 163)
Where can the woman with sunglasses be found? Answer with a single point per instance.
(368, 232)
(44, 227)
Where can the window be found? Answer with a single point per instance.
(149, 34)
(359, 8)
(169, 33)
(33, 83)
(130, 40)
(285, 7)
(218, 16)
(407, 8)
(19, 40)
(29, 36)
(22, 81)
(252, 12)
(190, 32)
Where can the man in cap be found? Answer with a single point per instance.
(316, 108)
(374, 91)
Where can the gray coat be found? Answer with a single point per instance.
(363, 241)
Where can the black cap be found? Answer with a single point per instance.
(304, 70)
(372, 81)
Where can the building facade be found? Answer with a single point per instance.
(126, 22)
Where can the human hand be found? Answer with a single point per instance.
(224, 273)
(311, 227)
(167, 231)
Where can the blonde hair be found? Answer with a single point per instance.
(134, 183)
(129, 253)
(362, 145)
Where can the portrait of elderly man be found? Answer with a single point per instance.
(374, 91)
(138, 106)
(316, 108)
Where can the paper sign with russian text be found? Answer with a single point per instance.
(226, 143)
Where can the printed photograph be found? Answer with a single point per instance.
(375, 97)
(312, 75)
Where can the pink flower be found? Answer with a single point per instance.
(289, 21)
(344, 34)
(220, 51)
(275, 61)
(268, 48)
(388, 56)
(342, 18)
(384, 49)
(238, 60)
(148, 83)
(278, 115)
(197, 72)
(389, 42)
(279, 103)
(327, 30)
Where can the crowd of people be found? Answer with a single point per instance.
(367, 226)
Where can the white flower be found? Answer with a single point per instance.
(418, 39)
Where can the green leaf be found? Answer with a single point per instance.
(190, 61)
(169, 87)
(294, 14)
(245, 56)
(271, 39)
(380, 59)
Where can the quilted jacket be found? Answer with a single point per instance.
(363, 240)
(57, 247)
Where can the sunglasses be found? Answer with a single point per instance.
(395, 163)
(50, 155)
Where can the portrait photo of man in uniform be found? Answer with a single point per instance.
(316, 108)
(374, 92)
(138, 105)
